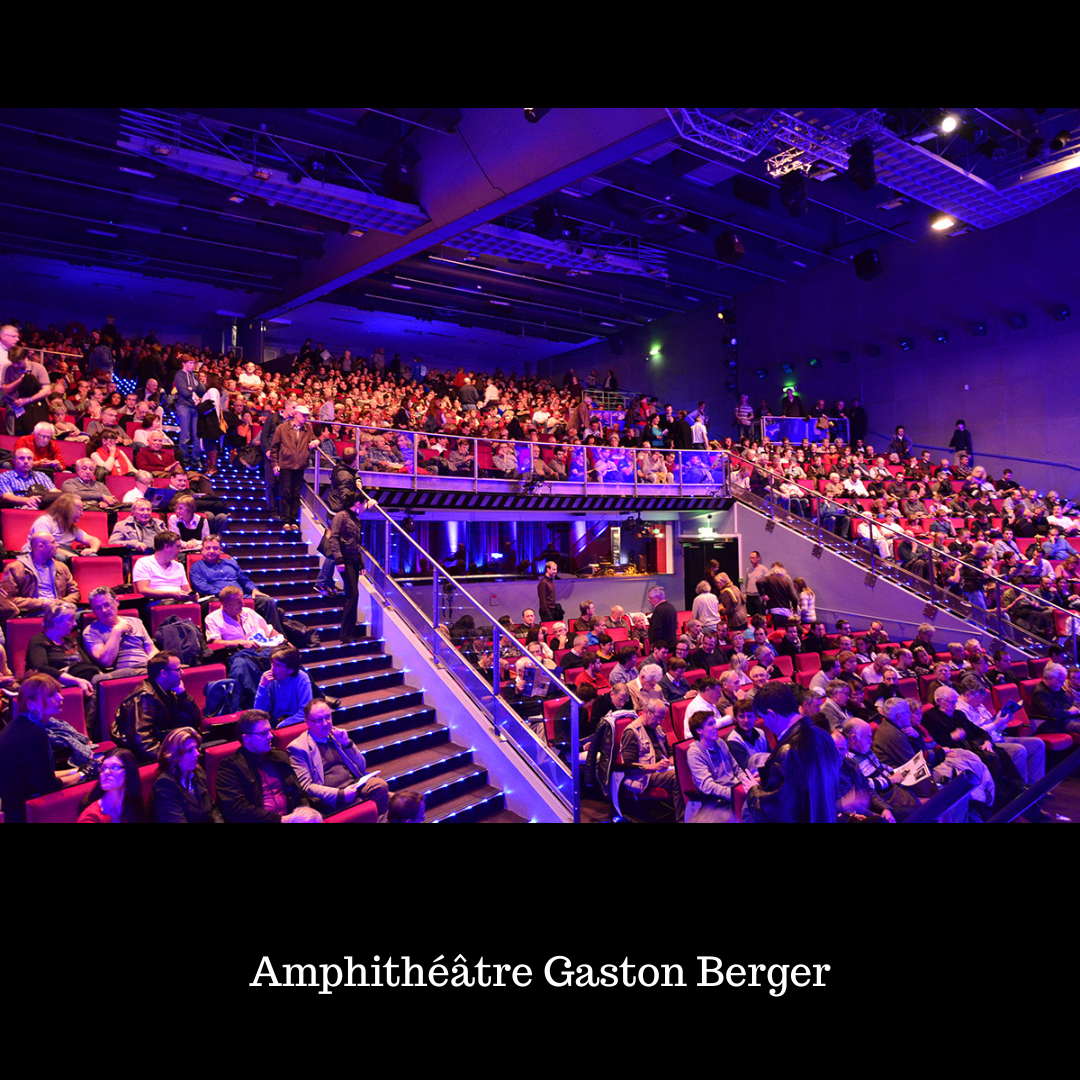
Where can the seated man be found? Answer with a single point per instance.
(592, 675)
(1052, 711)
(710, 701)
(711, 765)
(242, 626)
(91, 491)
(120, 646)
(256, 785)
(160, 576)
(22, 486)
(1027, 754)
(646, 687)
(212, 508)
(43, 446)
(330, 769)
(137, 532)
(155, 458)
(647, 758)
(284, 691)
(35, 578)
(213, 572)
(575, 658)
(154, 708)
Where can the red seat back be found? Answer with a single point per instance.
(92, 571)
(19, 633)
(15, 526)
(212, 759)
(191, 612)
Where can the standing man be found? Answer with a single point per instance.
(545, 590)
(799, 781)
(754, 574)
(290, 452)
(664, 621)
(188, 391)
(744, 418)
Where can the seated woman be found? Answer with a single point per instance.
(181, 793)
(57, 650)
(191, 527)
(109, 456)
(116, 798)
(61, 520)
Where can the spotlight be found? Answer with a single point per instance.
(1017, 322)
(814, 361)
(1060, 141)
(873, 350)
(534, 116)
(1060, 312)
(843, 356)
(733, 342)
(907, 344)
(786, 369)
(762, 373)
(978, 329)
(793, 192)
(295, 176)
(942, 337)
(1034, 149)
(949, 123)
(408, 524)
(941, 222)
(861, 164)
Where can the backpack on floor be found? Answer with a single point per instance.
(300, 635)
(222, 697)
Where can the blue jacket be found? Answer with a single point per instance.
(284, 699)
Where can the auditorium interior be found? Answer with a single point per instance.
(907, 273)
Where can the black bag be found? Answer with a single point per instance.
(183, 638)
(296, 633)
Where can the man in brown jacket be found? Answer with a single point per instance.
(35, 578)
(289, 454)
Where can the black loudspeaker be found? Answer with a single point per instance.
(867, 264)
(861, 164)
(729, 247)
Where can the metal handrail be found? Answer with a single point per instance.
(986, 454)
(851, 511)
(710, 460)
(499, 638)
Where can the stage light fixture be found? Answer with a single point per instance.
(814, 362)
(534, 116)
(1060, 313)
(907, 344)
(942, 337)
(1017, 322)
(978, 329)
(949, 123)
(941, 222)
(762, 373)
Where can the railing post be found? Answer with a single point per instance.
(415, 458)
(496, 671)
(575, 758)
(933, 573)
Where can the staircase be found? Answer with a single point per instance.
(385, 717)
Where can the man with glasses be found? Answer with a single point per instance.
(256, 784)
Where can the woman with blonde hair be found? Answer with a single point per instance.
(731, 598)
(61, 521)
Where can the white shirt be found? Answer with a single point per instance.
(172, 577)
(219, 627)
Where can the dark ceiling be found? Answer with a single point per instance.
(564, 230)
